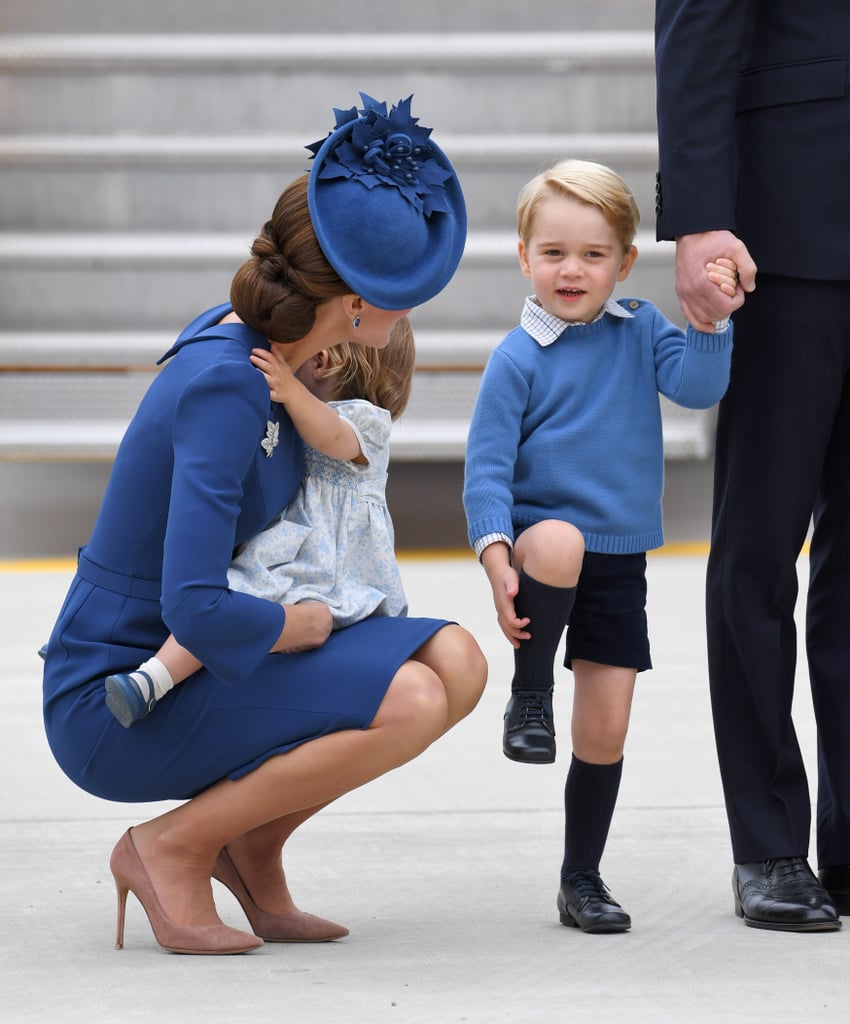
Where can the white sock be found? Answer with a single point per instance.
(160, 677)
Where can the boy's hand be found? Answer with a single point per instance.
(724, 273)
(278, 373)
(504, 582)
(504, 592)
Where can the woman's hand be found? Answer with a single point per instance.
(308, 624)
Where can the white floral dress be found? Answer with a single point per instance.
(334, 542)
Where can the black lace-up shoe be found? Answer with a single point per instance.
(836, 881)
(783, 895)
(585, 902)
(529, 733)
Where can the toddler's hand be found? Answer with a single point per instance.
(724, 273)
(274, 367)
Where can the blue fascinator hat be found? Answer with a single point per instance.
(386, 205)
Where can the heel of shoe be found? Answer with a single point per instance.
(122, 910)
(130, 874)
(736, 896)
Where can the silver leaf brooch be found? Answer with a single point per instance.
(269, 442)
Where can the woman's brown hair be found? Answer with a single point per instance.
(278, 289)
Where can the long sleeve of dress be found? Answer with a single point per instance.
(219, 422)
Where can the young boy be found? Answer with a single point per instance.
(564, 475)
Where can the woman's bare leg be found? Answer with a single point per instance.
(458, 662)
(258, 854)
(456, 659)
(179, 848)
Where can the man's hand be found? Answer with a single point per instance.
(702, 301)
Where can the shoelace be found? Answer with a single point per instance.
(589, 884)
(792, 873)
(532, 708)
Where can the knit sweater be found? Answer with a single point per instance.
(572, 430)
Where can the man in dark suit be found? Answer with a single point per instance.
(754, 131)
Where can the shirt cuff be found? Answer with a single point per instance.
(491, 538)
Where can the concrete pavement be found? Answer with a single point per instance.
(446, 871)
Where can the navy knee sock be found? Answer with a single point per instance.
(590, 795)
(549, 610)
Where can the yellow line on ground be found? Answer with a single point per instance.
(681, 548)
(38, 565)
(405, 555)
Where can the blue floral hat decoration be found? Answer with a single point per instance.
(386, 205)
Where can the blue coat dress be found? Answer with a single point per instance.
(207, 461)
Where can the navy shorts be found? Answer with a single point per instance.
(608, 624)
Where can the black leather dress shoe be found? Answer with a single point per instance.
(529, 733)
(783, 895)
(585, 902)
(836, 881)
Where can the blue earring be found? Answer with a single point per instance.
(355, 323)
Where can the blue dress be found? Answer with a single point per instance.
(206, 463)
(334, 542)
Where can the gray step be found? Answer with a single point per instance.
(137, 166)
(70, 396)
(106, 351)
(465, 82)
(287, 15)
(687, 434)
(231, 182)
(115, 281)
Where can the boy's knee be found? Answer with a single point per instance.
(602, 744)
(552, 552)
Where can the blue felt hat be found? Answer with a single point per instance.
(386, 205)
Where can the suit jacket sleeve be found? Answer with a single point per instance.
(698, 44)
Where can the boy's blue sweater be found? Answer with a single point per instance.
(572, 430)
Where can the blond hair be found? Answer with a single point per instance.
(586, 182)
(383, 376)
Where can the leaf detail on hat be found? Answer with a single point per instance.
(387, 149)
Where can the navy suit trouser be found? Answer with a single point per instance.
(782, 465)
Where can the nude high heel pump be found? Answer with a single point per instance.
(130, 875)
(294, 927)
